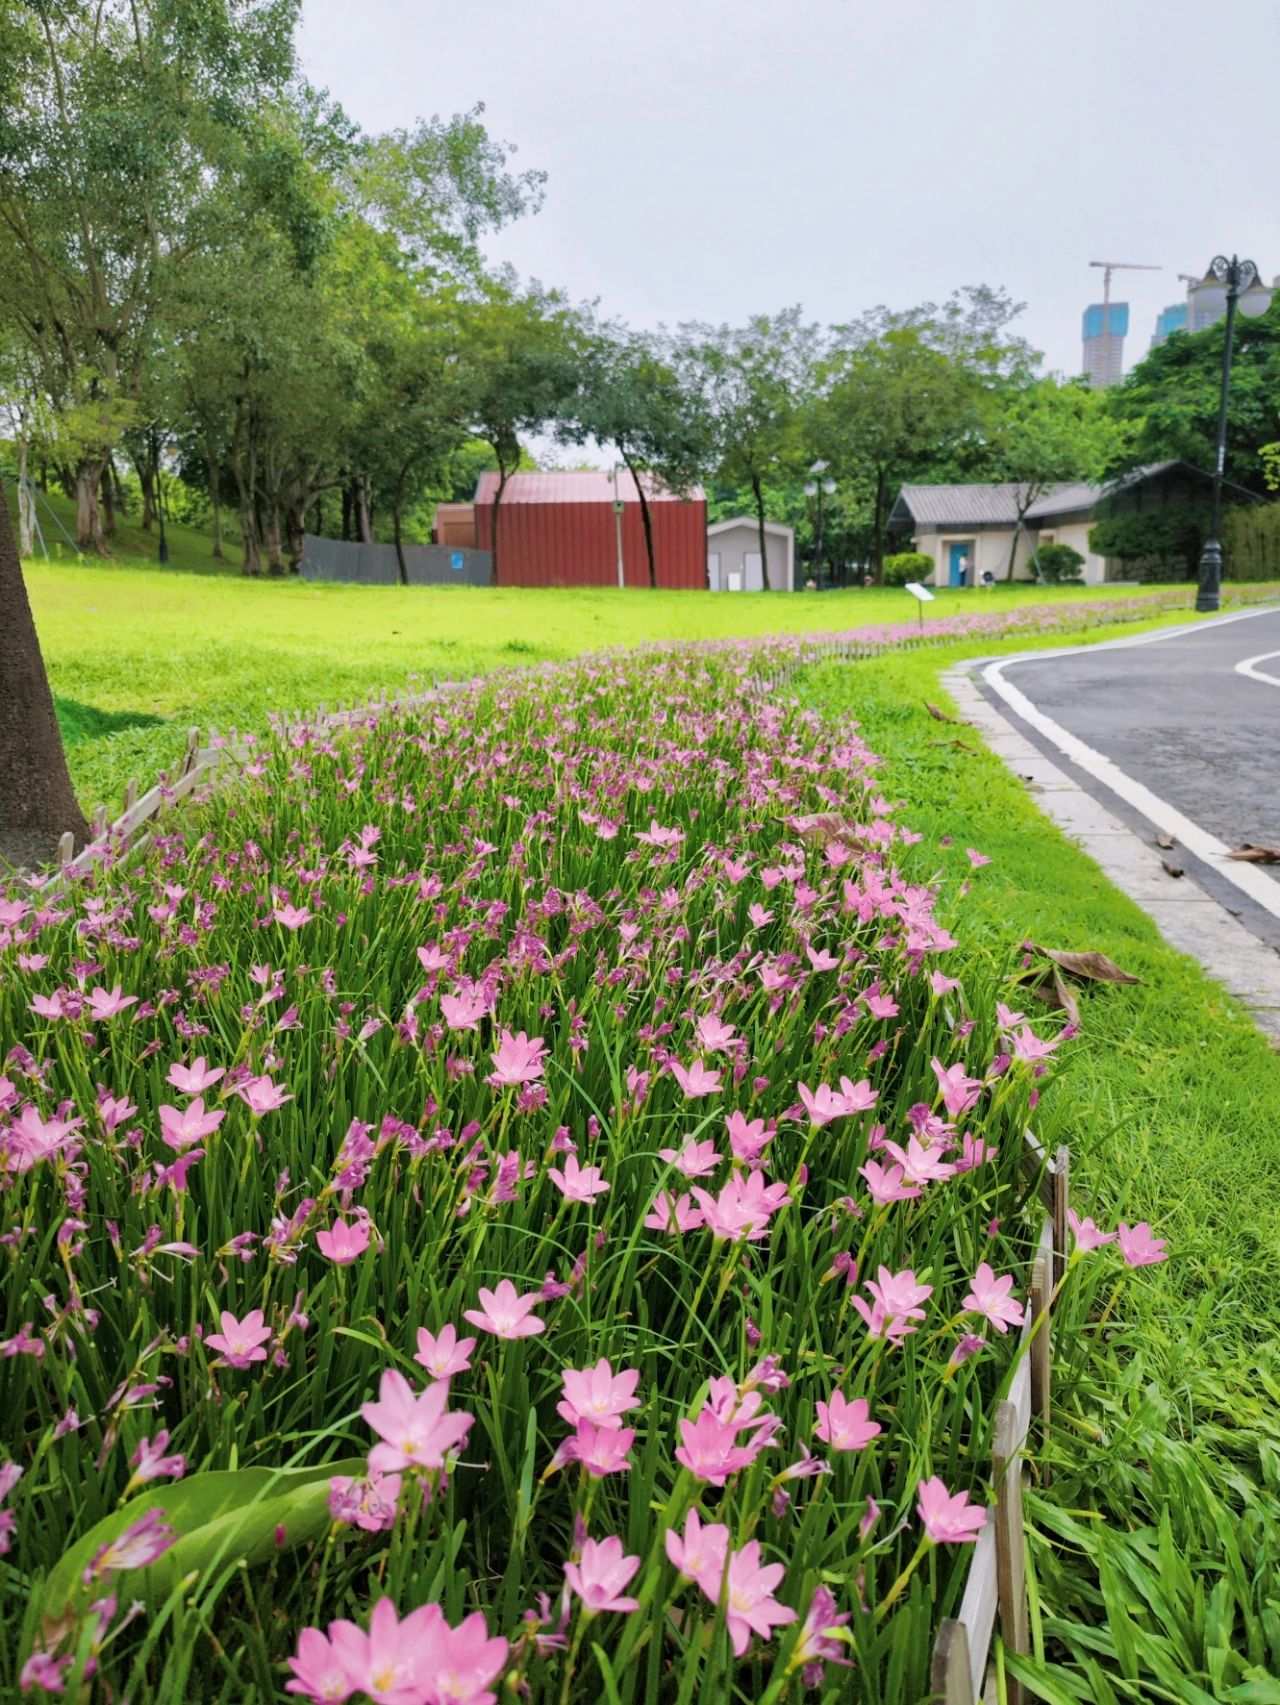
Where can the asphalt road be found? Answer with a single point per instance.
(1178, 717)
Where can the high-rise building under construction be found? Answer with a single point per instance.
(1104, 328)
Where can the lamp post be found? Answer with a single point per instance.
(1239, 278)
(816, 487)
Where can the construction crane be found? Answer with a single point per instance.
(1108, 267)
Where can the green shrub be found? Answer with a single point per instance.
(1154, 544)
(1057, 565)
(907, 565)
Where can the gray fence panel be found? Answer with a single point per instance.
(376, 565)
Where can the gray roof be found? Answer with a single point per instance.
(997, 505)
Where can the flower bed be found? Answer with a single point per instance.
(521, 1194)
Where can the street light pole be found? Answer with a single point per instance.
(816, 487)
(1239, 276)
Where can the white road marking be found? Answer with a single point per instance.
(1250, 668)
(1163, 816)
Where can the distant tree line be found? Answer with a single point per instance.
(209, 274)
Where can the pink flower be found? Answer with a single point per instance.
(517, 1060)
(103, 1005)
(974, 1152)
(949, 1518)
(318, 1671)
(195, 1078)
(464, 1010)
(600, 1449)
(141, 1543)
(577, 1183)
(656, 836)
(819, 1642)
(240, 1341)
(710, 1448)
(989, 1297)
(150, 1463)
(31, 1139)
(694, 1160)
(941, 984)
(180, 1129)
(418, 1430)
(751, 1606)
(700, 1555)
(843, 1424)
(292, 917)
(418, 1661)
(369, 1503)
(959, 1093)
(896, 1298)
(1028, 1046)
(1086, 1233)
(601, 1575)
(597, 1394)
(445, 1356)
(886, 1183)
(714, 1034)
(344, 1242)
(976, 859)
(824, 1104)
(748, 1138)
(920, 1164)
(506, 1314)
(673, 1214)
(696, 1080)
(261, 1096)
(1139, 1247)
(45, 1671)
(464, 1662)
(743, 1208)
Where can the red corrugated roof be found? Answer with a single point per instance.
(583, 485)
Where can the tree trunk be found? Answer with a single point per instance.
(758, 493)
(36, 802)
(878, 520)
(108, 503)
(395, 523)
(88, 515)
(364, 509)
(644, 516)
(26, 518)
(295, 526)
(249, 536)
(215, 481)
(497, 510)
(347, 510)
(146, 480)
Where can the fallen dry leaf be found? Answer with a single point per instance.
(1165, 841)
(1256, 855)
(1172, 869)
(1089, 967)
(936, 714)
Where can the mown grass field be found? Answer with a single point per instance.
(1156, 1547)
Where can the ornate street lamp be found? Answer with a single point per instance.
(1240, 280)
(816, 487)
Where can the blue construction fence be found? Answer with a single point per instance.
(377, 565)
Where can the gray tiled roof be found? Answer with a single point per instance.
(963, 505)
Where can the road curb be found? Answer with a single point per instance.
(1188, 918)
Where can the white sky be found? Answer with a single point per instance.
(713, 158)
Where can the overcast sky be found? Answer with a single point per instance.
(709, 159)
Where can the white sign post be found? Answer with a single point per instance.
(922, 596)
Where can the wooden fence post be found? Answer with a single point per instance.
(1061, 1202)
(1011, 1574)
(66, 847)
(950, 1677)
(1040, 1293)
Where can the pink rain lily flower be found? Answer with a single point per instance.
(577, 1183)
(150, 1463)
(822, 1104)
(858, 1097)
(959, 1092)
(445, 1355)
(180, 1128)
(714, 1034)
(318, 1671)
(292, 917)
(896, 1299)
(600, 1449)
(694, 1160)
(31, 1139)
(976, 859)
(1086, 1233)
(710, 1448)
(518, 1059)
(343, 1242)
(141, 1543)
(748, 1138)
(368, 1503)
(819, 1641)
(989, 1296)
(597, 1394)
(195, 1078)
(1028, 1046)
(505, 1313)
(240, 1341)
(948, 1517)
(696, 1080)
(1138, 1246)
(699, 1554)
(743, 1209)
(104, 1005)
(417, 1429)
(920, 1164)
(886, 1183)
(464, 1011)
(601, 1574)
(260, 1095)
(674, 1214)
(751, 1607)
(843, 1424)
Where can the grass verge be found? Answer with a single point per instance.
(1155, 1545)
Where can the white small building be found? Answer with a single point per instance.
(733, 555)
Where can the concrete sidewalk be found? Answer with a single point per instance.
(1188, 918)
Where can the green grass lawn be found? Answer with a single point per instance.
(218, 651)
(1156, 1548)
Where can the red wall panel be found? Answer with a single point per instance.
(575, 544)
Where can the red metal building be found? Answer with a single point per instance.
(560, 529)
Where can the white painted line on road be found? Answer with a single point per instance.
(1163, 816)
(1250, 668)
(1155, 638)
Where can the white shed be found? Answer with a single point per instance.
(733, 555)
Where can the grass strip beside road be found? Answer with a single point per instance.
(1155, 1546)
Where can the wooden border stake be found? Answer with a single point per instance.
(1011, 1573)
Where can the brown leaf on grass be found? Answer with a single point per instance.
(936, 714)
(1252, 854)
(1048, 984)
(1165, 841)
(1172, 869)
(1088, 967)
(960, 745)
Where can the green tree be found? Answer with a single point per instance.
(752, 384)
